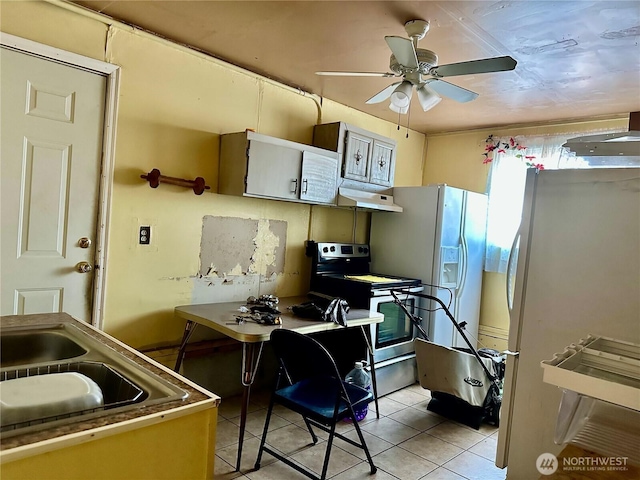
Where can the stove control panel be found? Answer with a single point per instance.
(328, 250)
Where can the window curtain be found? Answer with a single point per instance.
(505, 187)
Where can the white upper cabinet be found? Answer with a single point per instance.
(357, 153)
(368, 159)
(273, 170)
(257, 165)
(382, 163)
(319, 178)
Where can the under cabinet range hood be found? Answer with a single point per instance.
(611, 149)
(608, 150)
(348, 197)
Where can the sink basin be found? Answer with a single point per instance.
(56, 348)
(37, 347)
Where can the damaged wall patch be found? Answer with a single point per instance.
(240, 246)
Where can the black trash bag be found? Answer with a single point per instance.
(492, 405)
(335, 312)
(308, 310)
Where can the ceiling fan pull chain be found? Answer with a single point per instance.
(408, 120)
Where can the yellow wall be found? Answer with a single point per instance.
(456, 159)
(173, 105)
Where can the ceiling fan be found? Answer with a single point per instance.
(419, 68)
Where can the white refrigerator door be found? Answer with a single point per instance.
(516, 278)
(472, 247)
(581, 260)
(516, 275)
(447, 264)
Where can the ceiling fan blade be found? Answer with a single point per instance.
(403, 50)
(452, 91)
(357, 74)
(487, 65)
(382, 95)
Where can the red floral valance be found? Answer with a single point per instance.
(496, 145)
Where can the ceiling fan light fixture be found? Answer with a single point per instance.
(427, 97)
(400, 110)
(401, 96)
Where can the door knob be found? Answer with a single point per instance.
(84, 242)
(84, 267)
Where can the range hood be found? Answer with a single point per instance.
(611, 149)
(348, 197)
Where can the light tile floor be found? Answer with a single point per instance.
(408, 442)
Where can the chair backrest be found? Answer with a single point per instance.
(302, 356)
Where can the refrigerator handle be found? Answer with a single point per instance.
(463, 249)
(462, 271)
(510, 272)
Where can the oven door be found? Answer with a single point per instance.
(394, 336)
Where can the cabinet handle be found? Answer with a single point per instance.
(295, 185)
(305, 186)
(358, 157)
(382, 162)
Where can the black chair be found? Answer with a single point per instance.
(309, 383)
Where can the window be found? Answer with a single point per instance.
(505, 187)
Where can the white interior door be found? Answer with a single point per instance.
(51, 143)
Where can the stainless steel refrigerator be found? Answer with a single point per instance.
(575, 271)
(439, 238)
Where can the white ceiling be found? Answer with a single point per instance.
(576, 59)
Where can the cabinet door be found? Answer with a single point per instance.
(356, 157)
(382, 159)
(273, 171)
(319, 178)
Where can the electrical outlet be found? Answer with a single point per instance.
(145, 235)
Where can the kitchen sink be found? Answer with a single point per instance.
(63, 347)
(36, 347)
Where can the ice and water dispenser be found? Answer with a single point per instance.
(449, 267)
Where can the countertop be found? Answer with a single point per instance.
(198, 398)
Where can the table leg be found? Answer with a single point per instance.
(250, 360)
(189, 328)
(374, 383)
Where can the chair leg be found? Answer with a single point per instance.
(327, 454)
(313, 435)
(374, 469)
(264, 433)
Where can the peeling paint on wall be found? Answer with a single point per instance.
(268, 257)
(239, 246)
(226, 244)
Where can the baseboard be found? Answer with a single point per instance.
(165, 356)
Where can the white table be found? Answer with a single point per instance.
(221, 317)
